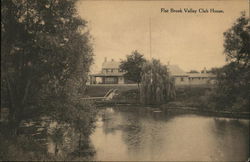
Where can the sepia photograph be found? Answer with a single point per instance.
(125, 80)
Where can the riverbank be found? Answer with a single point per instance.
(38, 140)
(189, 99)
(227, 114)
(176, 109)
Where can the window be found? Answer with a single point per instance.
(182, 79)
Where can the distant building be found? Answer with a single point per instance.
(201, 78)
(180, 76)
(112, 74)
(183, 78)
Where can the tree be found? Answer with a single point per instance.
(214, 70)
(233, 80)
(133, 66)
(157, 86)
(83, 113)
(193, 71)
(237, 40)
(44, 55)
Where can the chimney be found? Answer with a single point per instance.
(105, 59)
(112, 60)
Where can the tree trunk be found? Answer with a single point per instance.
(26, 92)
(56, 149)
(11, 94)
(80, 138)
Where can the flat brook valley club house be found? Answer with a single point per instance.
(112, 74)
(191, 10)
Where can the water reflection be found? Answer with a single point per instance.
(139, 134)
(232, 137)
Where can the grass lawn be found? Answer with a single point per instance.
(99, 90)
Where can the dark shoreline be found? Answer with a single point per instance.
(180, 110)
(234, 115)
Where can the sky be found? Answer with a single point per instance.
(191, 40)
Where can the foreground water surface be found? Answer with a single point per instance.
(138, 134)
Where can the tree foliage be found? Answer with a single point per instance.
(45, 57)
(237, 42)
(233, 80)
(193, 71)
(133, 66)
(157, 86)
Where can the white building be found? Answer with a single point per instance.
(110, 74)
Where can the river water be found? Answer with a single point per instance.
(134, 133)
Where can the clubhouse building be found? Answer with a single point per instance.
(112, 74)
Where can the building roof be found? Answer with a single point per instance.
(175, 70)
(110, 64)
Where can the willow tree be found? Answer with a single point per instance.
(157, 86)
